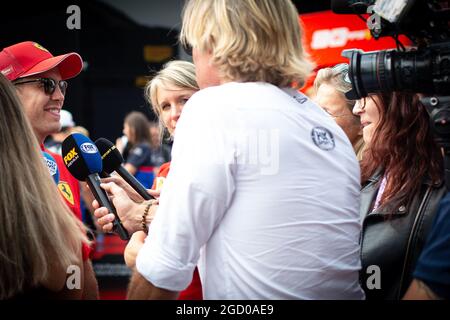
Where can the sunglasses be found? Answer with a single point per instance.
(49, 85)
(342, 69)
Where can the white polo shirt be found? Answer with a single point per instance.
(262, 195)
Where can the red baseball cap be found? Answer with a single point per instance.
(29, 58)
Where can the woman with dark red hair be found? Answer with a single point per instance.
(402, 183)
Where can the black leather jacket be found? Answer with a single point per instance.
(394, 242)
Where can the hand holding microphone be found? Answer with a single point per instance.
(132, 194)
(112, 161)
(131, 213)
(82, 159)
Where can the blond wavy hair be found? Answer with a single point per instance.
(335, 78)
(174, 74)
(250, 40)
(38, 233)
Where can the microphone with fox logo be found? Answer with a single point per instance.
(82, 159)
(112, 161)
(50, 163)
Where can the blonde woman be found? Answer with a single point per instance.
(281, 222)
(41, 241)
(167, 92)
(330, 86)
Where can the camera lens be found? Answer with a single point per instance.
(390, 70)
(369, 72)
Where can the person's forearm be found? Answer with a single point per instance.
(140, 289)
(134, 218)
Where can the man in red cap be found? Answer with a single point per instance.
(40, 81)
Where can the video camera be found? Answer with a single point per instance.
(423, 69)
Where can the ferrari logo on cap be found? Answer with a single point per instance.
(66, 191)
(37, 45)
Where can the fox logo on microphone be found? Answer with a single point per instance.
(88, 147)
(71, 155)
(81, 156)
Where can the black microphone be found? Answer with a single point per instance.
(112, 161)
(350, 6)
(82, 159)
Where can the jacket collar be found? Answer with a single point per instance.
(369, 193)
(370, 190)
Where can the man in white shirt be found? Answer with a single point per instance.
(263, 192)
